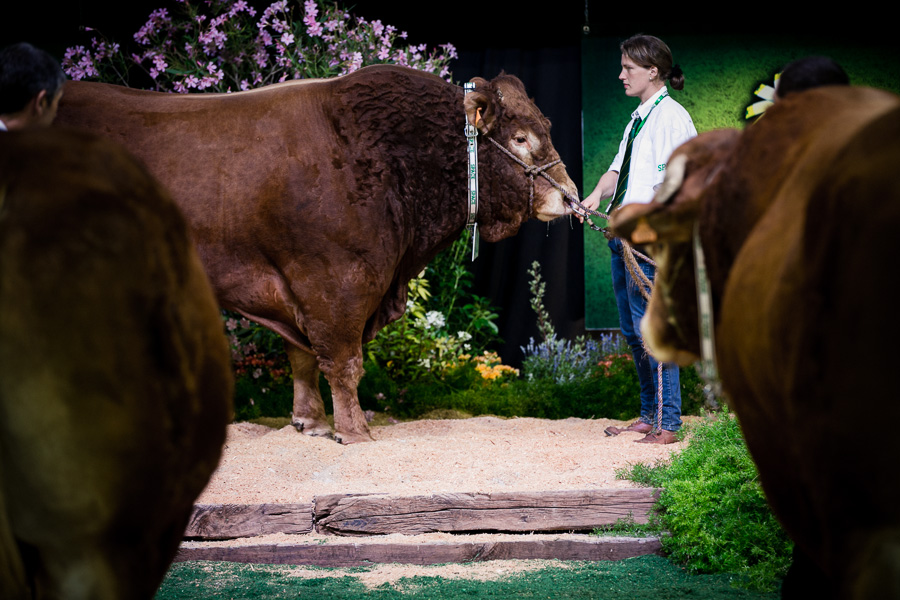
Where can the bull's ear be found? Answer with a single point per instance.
(479, 106)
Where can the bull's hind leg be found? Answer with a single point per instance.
(350, 424)
(309, 410)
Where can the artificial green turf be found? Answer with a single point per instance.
(646, 576)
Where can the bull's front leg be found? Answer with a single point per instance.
(309, 410)
(343, 375)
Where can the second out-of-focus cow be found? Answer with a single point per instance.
(115, 377)
(313, 203)
(797, 218)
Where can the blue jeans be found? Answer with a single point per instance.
(631, 305)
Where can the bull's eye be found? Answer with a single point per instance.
(523, 143)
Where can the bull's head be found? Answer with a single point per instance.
(667, 225)
(501, 110)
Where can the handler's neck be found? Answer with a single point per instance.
(651, 91)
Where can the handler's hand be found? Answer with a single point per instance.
(591, 203)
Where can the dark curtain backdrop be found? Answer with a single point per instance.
(552, 76)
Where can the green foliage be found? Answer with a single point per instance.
(628, 527)
(693, 397)
(477, 388)
(262, 371)
(585, 378)
(451, 281)
(436, 335)
(715, 509)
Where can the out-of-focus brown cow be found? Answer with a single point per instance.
(313, 203)
(798, 218)
(115, 381)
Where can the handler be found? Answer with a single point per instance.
(658, 126)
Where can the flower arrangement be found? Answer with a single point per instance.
(418, 344)
(225, 46)
(490, 368)
(561, 360)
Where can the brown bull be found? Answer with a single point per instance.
(313, 203)
(797, 218)
(115, 378)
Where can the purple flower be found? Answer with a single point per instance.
(314, 29)
(157, 19)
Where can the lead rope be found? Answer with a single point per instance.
(646, 288)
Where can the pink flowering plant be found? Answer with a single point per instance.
(227, 46)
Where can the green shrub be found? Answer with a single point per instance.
(254, 398)
(715, 509)
(693, 397)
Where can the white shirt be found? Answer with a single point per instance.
(667, 127)
(3, 126)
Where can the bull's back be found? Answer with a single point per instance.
(236, 164)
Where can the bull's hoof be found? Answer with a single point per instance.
(313, 430)
(352, 438)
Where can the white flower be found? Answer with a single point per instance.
(434, 319)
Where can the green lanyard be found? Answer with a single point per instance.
(644, 120)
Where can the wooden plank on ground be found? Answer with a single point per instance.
(471, 512)
(353, 555)
(226, 521)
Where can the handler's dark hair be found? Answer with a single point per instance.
(24, 72)
(810, 72)
(649, 51)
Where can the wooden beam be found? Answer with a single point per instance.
(226, 521)
(376, 514)
(501, 512)
(353, 555)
